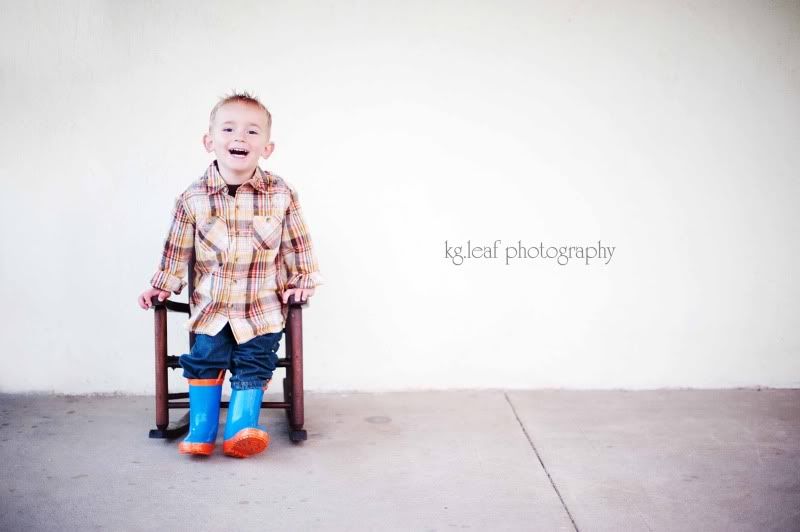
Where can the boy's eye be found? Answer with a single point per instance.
(231, 129)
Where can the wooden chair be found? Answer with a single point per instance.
(292, 382)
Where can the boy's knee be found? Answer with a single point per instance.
(247, 384)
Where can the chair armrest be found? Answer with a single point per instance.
(184, 307)
(295, 303)
(170, 305)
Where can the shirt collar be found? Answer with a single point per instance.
(215, 183)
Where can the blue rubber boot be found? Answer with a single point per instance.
(243, 435)
(204, 397)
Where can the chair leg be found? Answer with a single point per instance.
(175, 429)
(164, 429)
(293, 384)
(162, 391)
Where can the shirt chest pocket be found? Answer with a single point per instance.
(212, 239)
(267, 231)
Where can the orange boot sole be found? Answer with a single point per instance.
(246, 442)
(204, 449)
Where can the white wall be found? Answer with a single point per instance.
(669, 130)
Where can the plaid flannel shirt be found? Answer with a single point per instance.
(248, 251)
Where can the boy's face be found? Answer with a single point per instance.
(239, 137)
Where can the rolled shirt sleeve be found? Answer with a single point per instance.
(297, 251)
(178, 246)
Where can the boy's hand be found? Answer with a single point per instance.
(144, 298)
(299, 294)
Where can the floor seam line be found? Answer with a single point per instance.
(541, 462)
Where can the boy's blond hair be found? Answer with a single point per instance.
(242, 97)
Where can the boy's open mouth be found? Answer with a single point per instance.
(241, 154)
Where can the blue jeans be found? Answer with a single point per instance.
(251, 363)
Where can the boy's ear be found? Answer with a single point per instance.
(268, 150)
(208, 143)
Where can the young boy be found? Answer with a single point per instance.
(252, 251)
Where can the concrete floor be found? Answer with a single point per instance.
(432, 461)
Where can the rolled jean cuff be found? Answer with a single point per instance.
(248, 385)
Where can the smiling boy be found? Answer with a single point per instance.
(252, 251)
